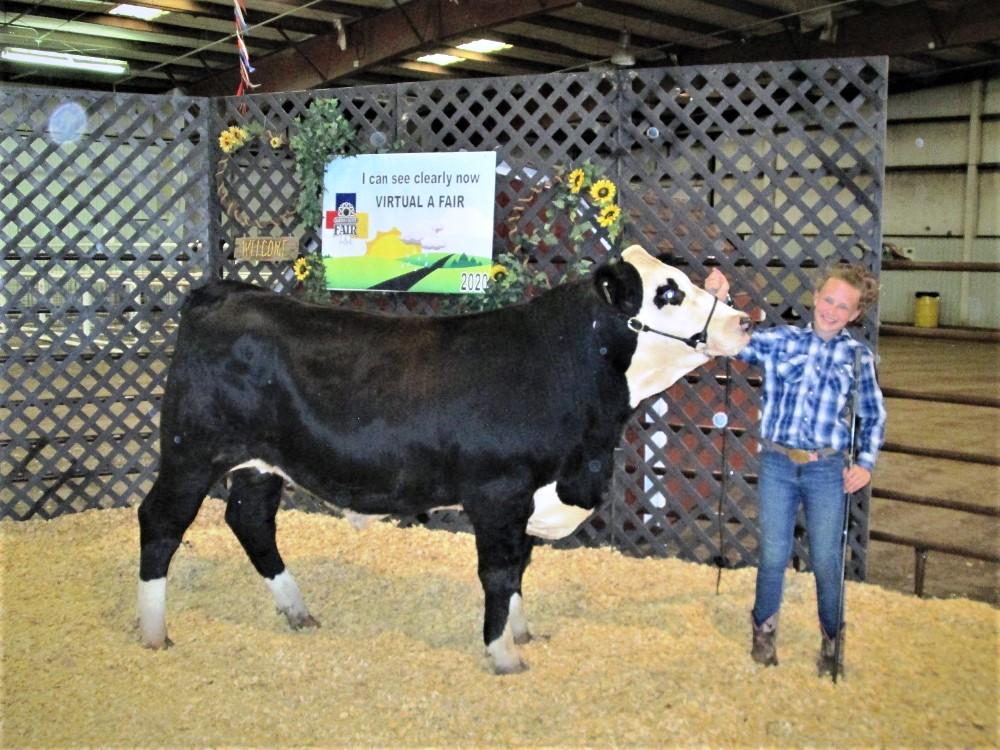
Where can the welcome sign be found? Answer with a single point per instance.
(409, 222)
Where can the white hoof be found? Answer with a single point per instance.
(152, 606)
(504, 654)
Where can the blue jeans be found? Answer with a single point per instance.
(819, 486)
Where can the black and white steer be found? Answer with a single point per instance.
(513, 414)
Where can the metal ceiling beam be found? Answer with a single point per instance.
(541, 46)
(121, 48)
(864, 34)
(641, 16)
(754, 10)
(374, 40)
(607, 35)
(499, 61)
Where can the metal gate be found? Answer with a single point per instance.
(766, 170)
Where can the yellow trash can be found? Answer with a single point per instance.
(925, 309)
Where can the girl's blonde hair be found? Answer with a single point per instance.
(857, 276)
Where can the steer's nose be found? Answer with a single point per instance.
(746, 325)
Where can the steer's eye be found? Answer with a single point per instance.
(668, 294)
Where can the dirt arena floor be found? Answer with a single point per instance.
(940, 366)
(628, 653)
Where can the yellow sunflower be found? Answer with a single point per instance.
(576, 179)
(603, 191)
(497, 272)
(277, 141)
(609, 215)
(301, 269)
(226, 142)
(232, 138)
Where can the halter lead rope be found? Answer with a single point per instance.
(694, 340)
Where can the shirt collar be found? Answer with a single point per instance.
(841, 335)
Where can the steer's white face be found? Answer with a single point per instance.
(672, 304)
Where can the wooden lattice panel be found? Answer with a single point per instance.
(766, 170)
(103, 223)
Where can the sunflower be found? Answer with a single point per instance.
(277, 141)
(301, 268)
(233, 138)
(609, 214)
(576, 180)
(603, 191)
(497, 272)
(226, 142)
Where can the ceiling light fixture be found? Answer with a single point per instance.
(439, 58)
(141, 12)
(63, 60)
(623, 57)
(485, 46)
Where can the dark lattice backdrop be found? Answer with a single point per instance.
(104, 224)
(766, 170)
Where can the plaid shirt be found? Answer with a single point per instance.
(807, 390)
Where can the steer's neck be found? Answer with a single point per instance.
(657, 365)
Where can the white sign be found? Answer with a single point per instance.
(409, 222)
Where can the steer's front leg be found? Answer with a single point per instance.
(504, 549)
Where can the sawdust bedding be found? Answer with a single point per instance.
(631, 652)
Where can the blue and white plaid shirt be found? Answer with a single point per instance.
(808, 384)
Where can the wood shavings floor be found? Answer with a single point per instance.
(632, 652)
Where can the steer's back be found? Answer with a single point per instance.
(378, 410)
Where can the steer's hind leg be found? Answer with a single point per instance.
(164, 516)
(518, 621)
(250, 512)
(504, 549)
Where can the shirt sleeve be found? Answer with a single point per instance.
(871, 413)
(762, 343)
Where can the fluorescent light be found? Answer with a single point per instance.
(63, 60)
(439, 59)
(137, 11)
(484, 46)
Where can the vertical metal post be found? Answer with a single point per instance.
(839, 636)
(920, 570)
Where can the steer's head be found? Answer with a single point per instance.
(667, 312)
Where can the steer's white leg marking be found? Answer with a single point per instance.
(506, 658)
(153, 613)
(552, 518)
(288, 600)
(517, 620)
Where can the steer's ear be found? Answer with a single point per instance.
(619, 285)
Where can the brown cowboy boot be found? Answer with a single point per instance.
(828, 653)
(764, 650)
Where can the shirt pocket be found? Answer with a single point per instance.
(792, 369)
(842, 375)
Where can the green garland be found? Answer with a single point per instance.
(311, 274)
(581, 195)
(513, 279)
(323, 134)
(584, 196)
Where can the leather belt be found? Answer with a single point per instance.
(800, 455)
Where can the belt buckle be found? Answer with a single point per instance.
(800, 456)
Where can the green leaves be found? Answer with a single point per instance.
(520, 281)
(323, 134)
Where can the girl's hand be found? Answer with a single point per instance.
(856, 478)
(717, 285)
